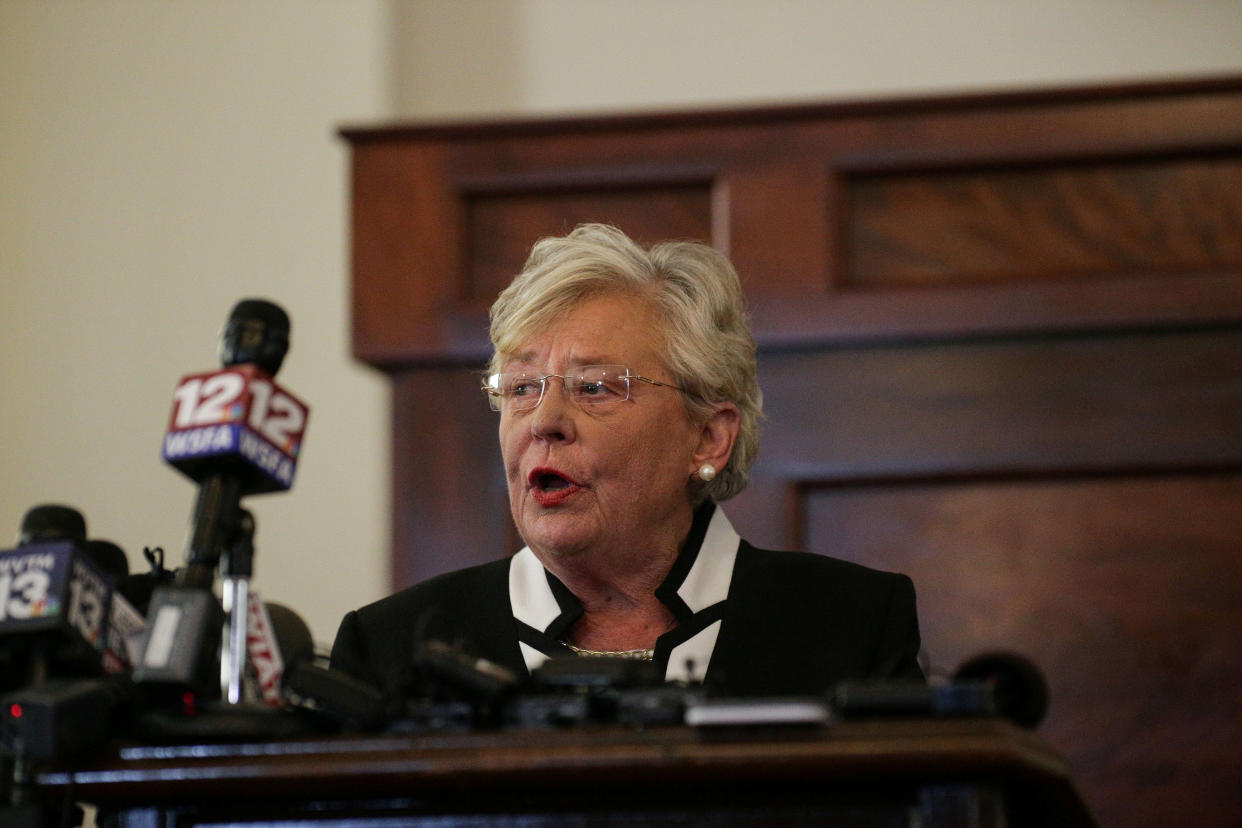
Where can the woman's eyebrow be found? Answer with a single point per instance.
(524, 359)
(582, 361)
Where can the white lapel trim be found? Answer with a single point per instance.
(532, 600)
(708, 580)
(529, 592)
(705, 585)
(533, 658)
(688, 660)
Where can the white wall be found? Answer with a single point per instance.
(159, 160)
(491, 56)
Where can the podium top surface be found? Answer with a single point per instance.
(847, 755)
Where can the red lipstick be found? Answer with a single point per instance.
(550, 487)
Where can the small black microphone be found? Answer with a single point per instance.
(107, 556)
(51, 522)
(57, 600)
(310, 684)
(1019, 690)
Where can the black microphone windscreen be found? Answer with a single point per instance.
(330, 693)
(292, 635)
(256, 331)
(109, 557)
(52, 522)
(1019, 689)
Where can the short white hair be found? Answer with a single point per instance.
(709, 348)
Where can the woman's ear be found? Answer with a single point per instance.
(717, 437)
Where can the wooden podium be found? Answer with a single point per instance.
(998, 339)
(956, 772)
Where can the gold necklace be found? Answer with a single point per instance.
(638, 655)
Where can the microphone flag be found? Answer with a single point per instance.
(55, 588)
(264, 652)
(236, 419)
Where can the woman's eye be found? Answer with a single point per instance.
(521, 388)
(592, 389)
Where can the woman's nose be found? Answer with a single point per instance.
(553, 417)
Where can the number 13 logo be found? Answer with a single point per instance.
(21, 595)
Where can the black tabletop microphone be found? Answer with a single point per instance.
(994, 683)
(51, 522)
(1019, 689)
(309, 684)
(57, 598)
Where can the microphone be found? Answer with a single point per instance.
(62, 718)
(107, 556)
(308, 683)
(1018, 687)
(55, 598)
(51, 522)
(270, 651)
(234, 431)
(125, 622)
(995, 683)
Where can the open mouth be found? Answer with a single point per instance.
(550, 481)
(549, 487)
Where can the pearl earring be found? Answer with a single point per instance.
(706, 472)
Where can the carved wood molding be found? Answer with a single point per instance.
(950, 217)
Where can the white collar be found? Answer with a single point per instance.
(698, 581)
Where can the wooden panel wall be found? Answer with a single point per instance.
(999, 347)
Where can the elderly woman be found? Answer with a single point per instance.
(625, 384)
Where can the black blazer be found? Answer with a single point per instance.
(793, 624)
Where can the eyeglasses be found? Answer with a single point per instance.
(591, 386)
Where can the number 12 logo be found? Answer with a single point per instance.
(234, 396)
